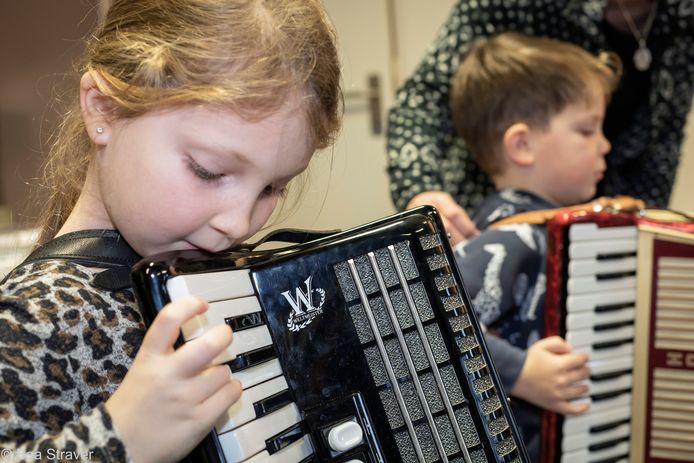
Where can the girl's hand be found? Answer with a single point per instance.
(552, 377)
(170, 399)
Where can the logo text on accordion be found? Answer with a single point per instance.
(306, 305)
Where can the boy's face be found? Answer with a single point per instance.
(197, 177)
(570, 154)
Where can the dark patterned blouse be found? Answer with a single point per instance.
(644, 123)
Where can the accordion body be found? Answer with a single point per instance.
(360, 346)
(598, 266)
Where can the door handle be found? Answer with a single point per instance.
(369, 100)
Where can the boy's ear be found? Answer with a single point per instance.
(95, 108)
(516, 145)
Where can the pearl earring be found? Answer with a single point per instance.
(99, 130)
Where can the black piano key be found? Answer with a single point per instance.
(608, 444)
(284, 438)
(609, 344)
(272, 403)
(246, 321)
(610, 375)
(614, 275)
(608, 395)
(613, 326)
(617, 255)
(252, 358)
(616, 459)
(613, 307)
(606, 427)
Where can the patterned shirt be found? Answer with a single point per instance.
(65, 346)
(646, 133)
(503, 270)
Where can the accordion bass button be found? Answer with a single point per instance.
(345, 436)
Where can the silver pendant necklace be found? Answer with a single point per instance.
(642, 56)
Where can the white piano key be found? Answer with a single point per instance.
(611, 365)
(618, 383)
(259, 373)
(217, 313)
(249, 439)
(213, 286)
(241, 412)
(625, 349)
(591, 284)
(591, 231)
(600, 413)
(589, 302)
(593, 249)
(582, 320)
(244, 341)
(580, 338)
(586, 456)
(582, 267)
(297, 451)
(577, 441)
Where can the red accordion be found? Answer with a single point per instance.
(620, 287)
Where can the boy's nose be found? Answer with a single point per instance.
(606, 146)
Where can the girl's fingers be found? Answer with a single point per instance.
(221, 400)
(199, 353)
(207, 382)
(166, 327)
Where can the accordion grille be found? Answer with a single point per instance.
(429, 411)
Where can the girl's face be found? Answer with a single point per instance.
(197, 177)
(570, 154)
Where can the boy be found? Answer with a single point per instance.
(531, 111)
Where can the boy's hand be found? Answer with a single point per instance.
(455, 219)
(551, 377)
(170, 399)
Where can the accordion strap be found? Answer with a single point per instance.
(92, 248)
(287, 235)
(603, 204)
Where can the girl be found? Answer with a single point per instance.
(192, 117)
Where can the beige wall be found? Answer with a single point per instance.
(38, 41)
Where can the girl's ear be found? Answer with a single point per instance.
(516, 145)
(95, 110)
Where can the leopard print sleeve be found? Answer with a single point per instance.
(65, 346)
(90, 438)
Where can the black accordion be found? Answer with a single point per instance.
(358, 346)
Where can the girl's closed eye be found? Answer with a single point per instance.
(201, 172)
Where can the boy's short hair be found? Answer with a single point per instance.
(510, 78)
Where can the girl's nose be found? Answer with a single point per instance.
(234, 222)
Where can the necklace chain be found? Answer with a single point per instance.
(638, 35)
(642, 56)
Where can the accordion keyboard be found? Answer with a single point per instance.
(600, 304)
